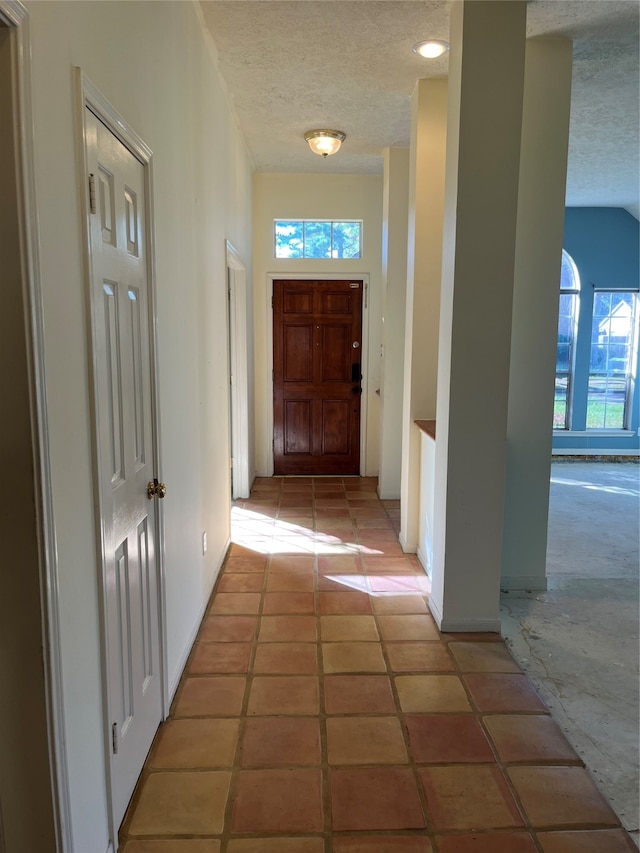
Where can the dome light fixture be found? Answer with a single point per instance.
(431, 48)
(325, 142)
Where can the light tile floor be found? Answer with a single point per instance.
(321, 711)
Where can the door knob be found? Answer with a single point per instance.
(154, 488)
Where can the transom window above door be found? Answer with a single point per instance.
(317, 238)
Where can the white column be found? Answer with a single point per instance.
(541, 201)
(395, 204)
(424, 259)
(481, 207)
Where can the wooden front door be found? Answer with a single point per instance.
(317, 351)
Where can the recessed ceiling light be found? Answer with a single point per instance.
(431, 48)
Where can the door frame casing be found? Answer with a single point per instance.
(238, 368)
(15, 17)
(364, 397)
(87, 96)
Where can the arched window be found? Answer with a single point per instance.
(567, 320)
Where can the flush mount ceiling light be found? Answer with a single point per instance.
(325, 142)
(431, 48)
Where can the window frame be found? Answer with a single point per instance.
(574, 292)
(630, 384)
(331, 257)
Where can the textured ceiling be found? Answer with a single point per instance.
(292, 65)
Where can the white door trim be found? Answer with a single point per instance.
(238, 369)
(88, 96)
(16, 18)
(364, 398)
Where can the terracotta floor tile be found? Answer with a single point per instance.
(339, 564)
(276, 845)
(181, 803)
(293, 694)
(211, 696)
(365, 740)
(288, 602)
(278, 801)
(491, 842)
(483, 657)
(331, 512)
(375, 522)
(447, 739)
(283, 629)
(174, 845)
(235, 602)
(408, 627)
(560, 796)
(503, 693)
(286, 563)
(395, 586)
(339, 522)
(352, 657)
(374, 798)
(381, 844)
(342, 583)
(240, 582)
(336, 628)
(228, 629)
(397, 604)
(190, 744)
(286, 659)
(469, 797)
(369, 511)
(250, 562)
(344, 603)
(587, 841)
(299, 582)
(431, 694)
(529, 737)
(380, 556)
(281, 742)
(290, 512)
(371, 613)
(358, 694)
(217, 658)
(419, 657)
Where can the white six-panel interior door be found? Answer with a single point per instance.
(125, 453)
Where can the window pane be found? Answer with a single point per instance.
(317, 239)
(560, 401)
(612, 332)
(346, 240)
(569, 279)
(289, 239)
(564, 358)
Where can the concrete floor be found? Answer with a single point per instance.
(578, 642)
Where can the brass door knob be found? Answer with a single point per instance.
(156, 489)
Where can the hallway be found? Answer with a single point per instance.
(321, 711)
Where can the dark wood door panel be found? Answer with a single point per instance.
(317, 376)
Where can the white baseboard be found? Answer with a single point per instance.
(186, 651)
(407, 547)
(470, 626)
(424, 562)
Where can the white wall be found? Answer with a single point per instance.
(394, 289)
(154, 63)
(289, 196)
